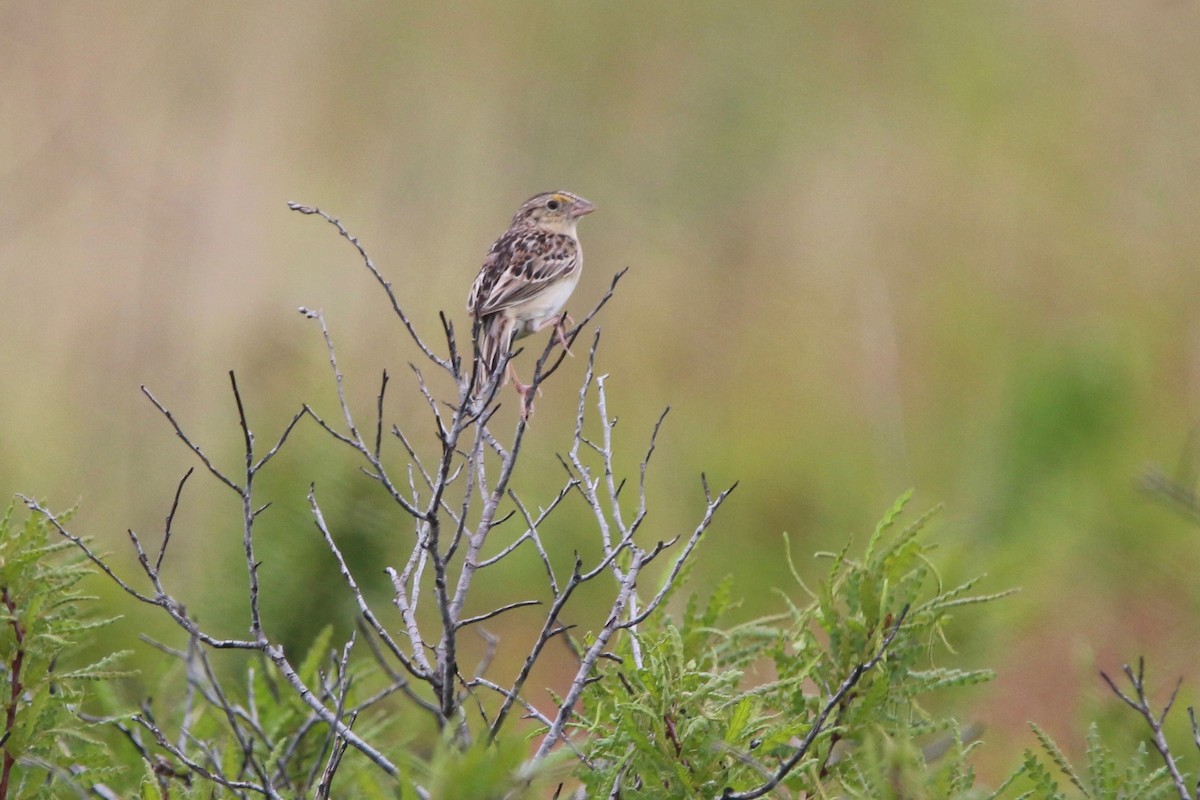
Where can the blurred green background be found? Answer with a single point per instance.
(872, 246)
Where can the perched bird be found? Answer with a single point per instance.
(525, 281)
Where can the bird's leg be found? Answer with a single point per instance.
(560, 328)
(524, 390)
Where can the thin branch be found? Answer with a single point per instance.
(275, 653)
(531, 534)
(548, 631)
(451, 344)
(408, 608)
(414, 459)
(713, 505)
(583, 675)
(148, 723)
(532, 712)
(818, 725)
(383, 384)
(248, 516)
(189, 699)
(1139, 703)
(646, 461)
(545, 368)
(335, 759)
(283, 437)
(605, 449)
(399, 682)
(1184, 498)
(387, 287)
(341, 437)
(430, 401)
(363, 606)
(338, 686)
(497, 612)
(1195, 741)
(221, 702)
(338, 379)
(491, 642)
(34, 505)
(355, 439)
(162, 548)
(191, 445)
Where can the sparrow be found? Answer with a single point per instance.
(525, 281)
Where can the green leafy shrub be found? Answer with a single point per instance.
(715, 711)
(46, 745)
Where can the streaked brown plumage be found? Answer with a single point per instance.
(526, 279)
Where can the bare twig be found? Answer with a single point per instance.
(587, 664)
(713, 504)
(147, 722)
(275, 653)
(368, 614)
(325, 786)
(1183, 498)
(495, 612)
(387, 286)
(549, 630)
(1139, 703)
(354, 439)
(248, 516)
(216, 473)
(532, 712)
(1195, 741)
(162, 549)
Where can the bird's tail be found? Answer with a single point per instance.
(494, 336)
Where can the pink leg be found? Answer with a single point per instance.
(560, 329)
(524, 390)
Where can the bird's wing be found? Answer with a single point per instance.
(521, 264)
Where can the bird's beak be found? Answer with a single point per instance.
(581, 207)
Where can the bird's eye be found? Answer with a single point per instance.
(552, 205)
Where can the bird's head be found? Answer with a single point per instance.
(554, 211)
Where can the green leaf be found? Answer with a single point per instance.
(888, 520)
(1060, 760)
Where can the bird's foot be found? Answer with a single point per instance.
(526, 393)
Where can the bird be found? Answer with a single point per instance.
(525, 281)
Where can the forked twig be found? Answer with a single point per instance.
(1140, 703)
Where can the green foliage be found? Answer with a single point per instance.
(687, 708)
(45, 742)
(895, 766)
(707, 708)
(1102, 780)
(482, 771)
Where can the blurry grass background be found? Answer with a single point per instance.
(873, 246)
